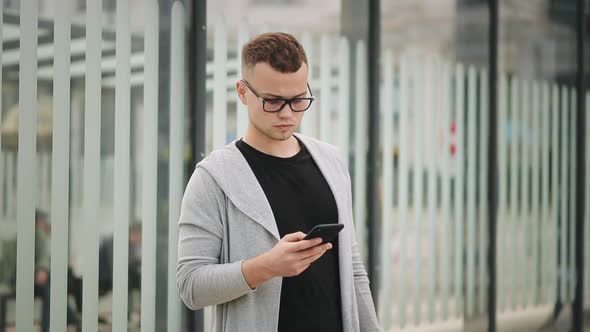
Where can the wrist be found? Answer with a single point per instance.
(256, 272)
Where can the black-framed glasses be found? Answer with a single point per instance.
(273, 105)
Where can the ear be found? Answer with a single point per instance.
(241, 90)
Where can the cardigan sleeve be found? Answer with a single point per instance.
(201, 279)
(366, 308)
(367, 315)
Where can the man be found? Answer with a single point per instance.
(42, 274)
(41, 277)
(247, 207)
(42, 247)
(105, 267)
(105, 261)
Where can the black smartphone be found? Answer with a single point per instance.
(326, 231)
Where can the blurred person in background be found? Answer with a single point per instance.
(42, 272)
(105, 263)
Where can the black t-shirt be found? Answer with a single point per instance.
(300, 198)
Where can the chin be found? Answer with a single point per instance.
(280, 136)
(285, 137)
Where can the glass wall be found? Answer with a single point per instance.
(94, 153)
(91, 167)
(435, 86)
(434, 123)
(537, 105)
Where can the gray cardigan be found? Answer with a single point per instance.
(225, 219)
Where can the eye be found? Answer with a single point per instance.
(274, 102)
(298, 102)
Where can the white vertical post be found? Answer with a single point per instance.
(38, 174)
(10, 188)
(38, 195)
(459, 190)
(27, 149)
(387, 216)
(76, 160)
(325, 88)
(471, 160)
(483, 185)
(502, 194)
(514, 165)
(137, 124)
(150, 168)
(446, 187)
(562, 213)
(220, 84)
(241, 111)
(555, 112)
(418, 172)
(176, 175)
(536, 192)
(61, 165)
(47, 170)
(360, 162)
(545, 220)
(92, 111)
(524, 188)
(432, 80)
(121, 184)
(344, 98)
(403, 189)
(44, 188)
(573, 184)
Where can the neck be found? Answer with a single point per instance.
(282, 149)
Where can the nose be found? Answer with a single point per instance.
(286, 112)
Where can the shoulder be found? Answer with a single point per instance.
(327, 149)
(211, 172)
(219, 157)
(326, 152)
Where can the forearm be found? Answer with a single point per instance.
(201, 285)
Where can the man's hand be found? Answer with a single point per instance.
(290, 257)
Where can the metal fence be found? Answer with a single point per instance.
(87, 190)
(433, 185)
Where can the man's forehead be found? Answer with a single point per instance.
(264, 68)
(283, 88)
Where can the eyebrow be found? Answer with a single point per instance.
(273, 96)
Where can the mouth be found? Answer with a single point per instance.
(284, 126)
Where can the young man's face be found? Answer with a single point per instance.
(269, 83)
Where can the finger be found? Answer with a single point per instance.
(314, 250)
(294, 237)
(312, 258)
(301, 270)
(306, 244)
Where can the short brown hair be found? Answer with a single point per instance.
(280, 50)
